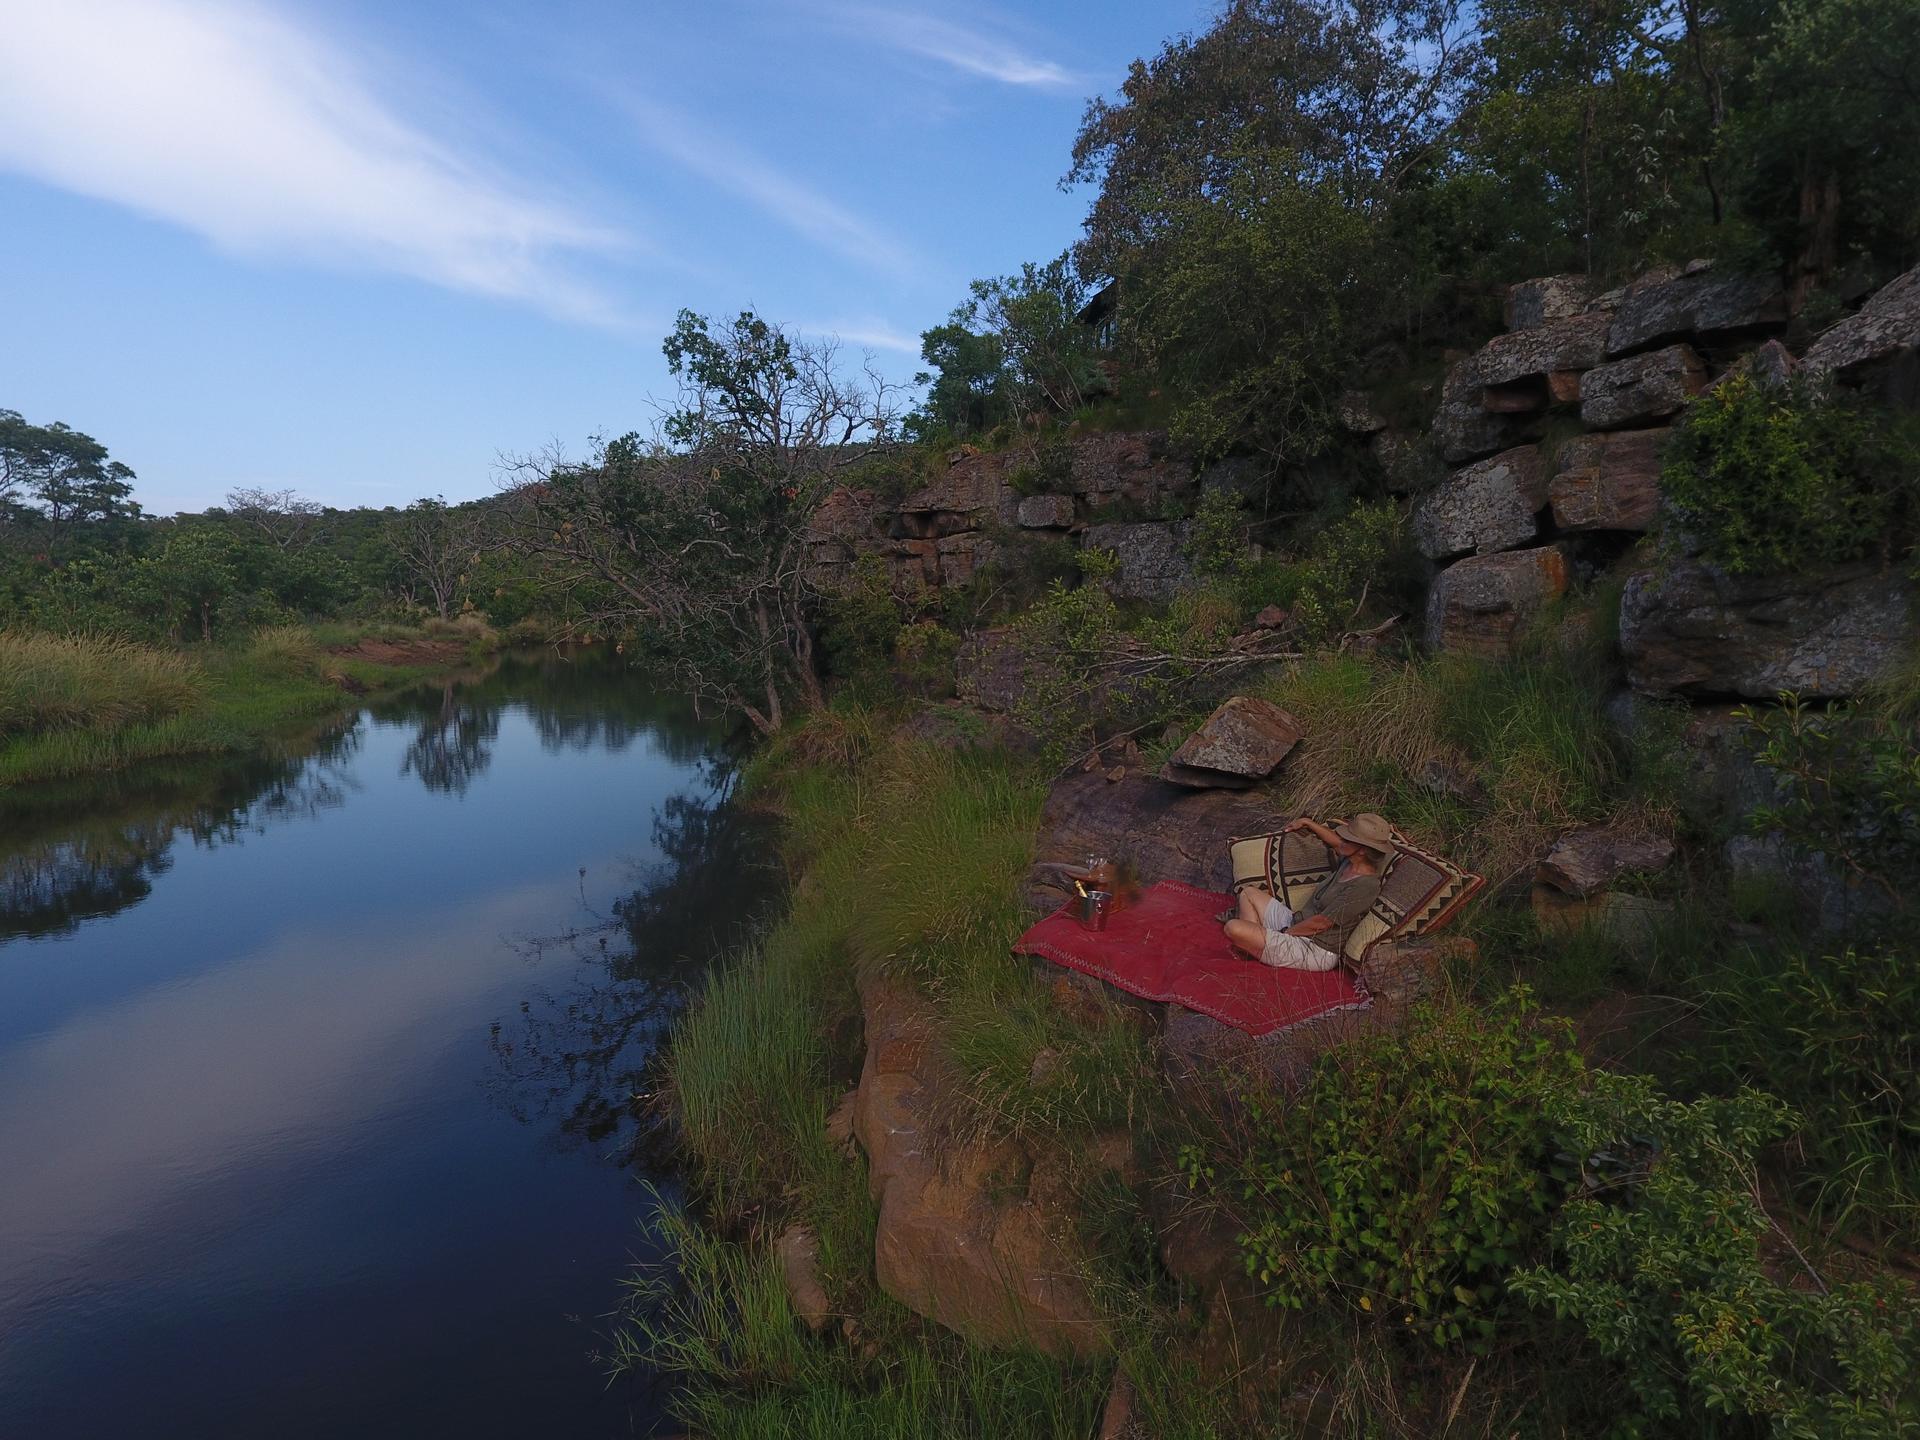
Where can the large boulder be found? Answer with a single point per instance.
(963, 1237)
(1607, 482)
(967, 493)
(1885, 330)
(1169, 832)
(1586, 861)
(1483, 605)
(1134, 465)
(990, 669)
(1358, 415)
(1241, 742)
(1575, 342)
(1532, 303)
(959, 556)
(1153, 565)
(1485, 507)
(1701, 302)
(1642, 389)
(1694, 630)
(1463, 428)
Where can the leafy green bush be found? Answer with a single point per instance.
(1360, 553)
(863, 618)
(1837, 1033)
(1772, 478)
(1848, 787)
(1663, 1264)
(1412, 1172)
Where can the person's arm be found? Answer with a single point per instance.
(1311, 926)
(1319, 831)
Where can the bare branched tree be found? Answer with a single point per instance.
(287, 521)
(437, 545)
(695, 543)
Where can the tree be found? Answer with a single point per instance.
(287, 522)
(1356, 94)
(436, 545)
(57, 474)
(1014, 349)
(697, 543)
(1247, 184)
(194, 569)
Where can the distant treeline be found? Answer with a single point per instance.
(78, 554)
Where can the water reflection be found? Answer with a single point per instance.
(279, 1119)
(75, 852)
(581, 1058)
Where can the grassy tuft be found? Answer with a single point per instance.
(67, 682)
(718, 1318)
(1524, 747)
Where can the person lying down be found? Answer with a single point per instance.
(1311, 937)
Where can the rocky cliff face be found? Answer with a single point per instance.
(940, 533)
(1527, 509)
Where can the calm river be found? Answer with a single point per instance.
(321, 1078)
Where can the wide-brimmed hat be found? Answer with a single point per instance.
(1369, 830)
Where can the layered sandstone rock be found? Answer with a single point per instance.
(1642, 389)
(1485, 507)
(1482, 605)
(1607, 482)
(968, 1238)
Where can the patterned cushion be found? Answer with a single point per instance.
(1419, 892)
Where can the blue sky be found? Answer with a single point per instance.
(362, 249)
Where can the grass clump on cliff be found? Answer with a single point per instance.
(719, 1319)
(1485, 760)
(1774, 478)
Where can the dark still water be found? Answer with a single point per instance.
(318, 1076)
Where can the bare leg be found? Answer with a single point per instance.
(1247, 935)
(1253, 904)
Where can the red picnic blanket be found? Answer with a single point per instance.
(1167, 946)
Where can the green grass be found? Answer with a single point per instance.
(908, 863)
(718, 1318)
(59, 682)
(1528, 739)
(72, 706)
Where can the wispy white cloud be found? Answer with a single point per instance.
(785, 199)
(964, 48)
(231, 120)
(868, 335)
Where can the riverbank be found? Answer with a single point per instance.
(72, 706)
(1104, 1224)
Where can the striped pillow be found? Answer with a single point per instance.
(1419, 891)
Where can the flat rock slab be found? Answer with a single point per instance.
(1483, 508)
(1169, 832)
(1886, 328)
(1241, 742)
(1574, 342)
(1643, 389)
(1702, 303)
(1607, 482)
(1696, 631)
(1585, 861)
